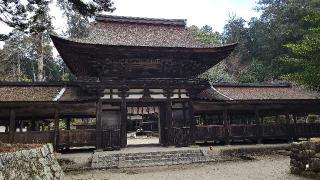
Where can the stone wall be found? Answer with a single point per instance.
(305, 159)
(38, 163)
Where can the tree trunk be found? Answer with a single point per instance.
(40, 74)
(19, 67)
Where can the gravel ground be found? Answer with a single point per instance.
(267, 167)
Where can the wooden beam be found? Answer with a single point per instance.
(193, 122)
(56, 130)
(33, 124)
(259, 130)
(20, 125)
(68, 121)
(226, 125)
(12, 128)
(289, 130)
(98, 125)
(123, 135)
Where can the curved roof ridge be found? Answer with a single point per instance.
(142, 20)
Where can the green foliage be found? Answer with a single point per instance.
(16, 13)
(27, 53)
(217, 74)
(312, 118)
(236, 32)
(304, 63)
(255, 72)
(206, 35)
(270, 46)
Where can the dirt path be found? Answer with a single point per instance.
(271, 167)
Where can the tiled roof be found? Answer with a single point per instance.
(140, 20)
(41, 93)
(130, 31)
(256, 93)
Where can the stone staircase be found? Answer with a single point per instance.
(121, 160)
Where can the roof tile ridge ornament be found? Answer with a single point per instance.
(220, 93)
(140, 20)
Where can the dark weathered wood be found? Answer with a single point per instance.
(226, 125)
(123, 118)
(33, 124)
(259, 130)
(12, 129)
(68, 123)
(34, 137)
(99, 125)
(56, 130)
(77, 138)
(20, 125)
(193, 123)
(289, 128)
(168, 122)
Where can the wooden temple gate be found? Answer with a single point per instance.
(175, 115)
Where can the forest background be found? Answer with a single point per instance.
(282, 45)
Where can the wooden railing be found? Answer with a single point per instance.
(209, 133)
(254, 132)
(66, 138)
(4, 137)
(243, 131)
(77, 137)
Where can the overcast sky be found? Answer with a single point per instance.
(197, 12)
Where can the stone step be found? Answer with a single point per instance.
(160, 153)
(160, 156)
(105, 160)
(160, 162)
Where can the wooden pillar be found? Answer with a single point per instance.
(56, 130)
(99, 125)
(123, 108)
(12, 127)
(33, 125)
(42, 127)
(289, 130)
(20, 125)
(193, 122)
(68, 121)
(170, 140)
(259, 128)
(226, 125)
(294, 126)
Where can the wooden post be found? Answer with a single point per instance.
(168, 134)
(289, 130)
(33, 124)
(12, 128)
(42, 127)
(123, 125)
(226, 125)
(68, 121)
(259, 130)
(99, 125)
(294, 134)
(193, 123)
(20, 125)
(56, 130)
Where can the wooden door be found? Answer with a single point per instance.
(181, 124)
(111, 126)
